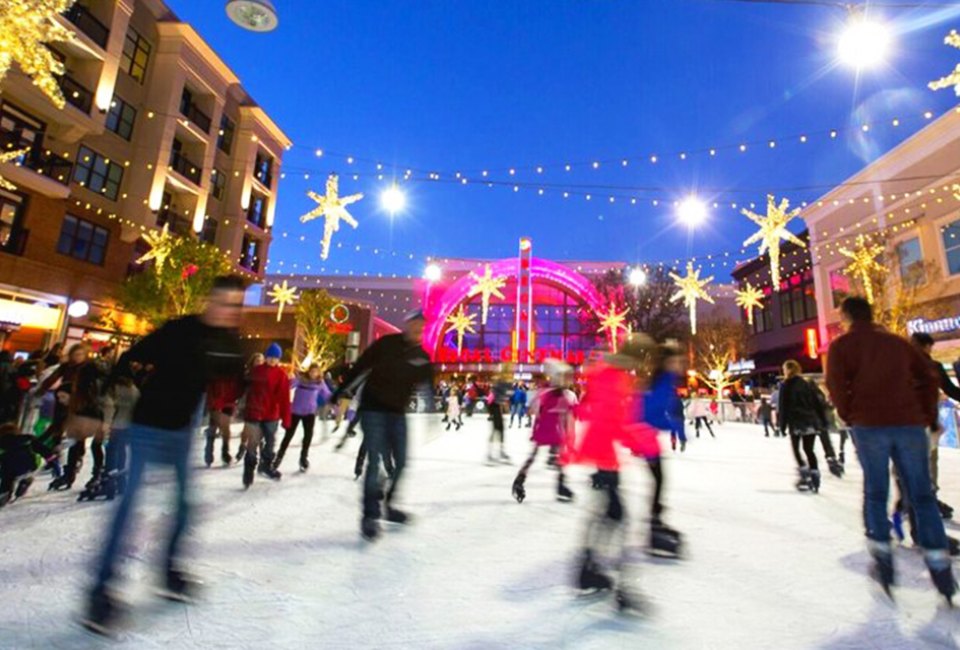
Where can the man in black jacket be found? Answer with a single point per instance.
(185, 355)
(393, 366)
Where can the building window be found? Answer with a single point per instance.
(209, 232)
(250, 254)
(136, 55)
(82, 240)
(98, 174)
(225, 135)
(951, 245)
(257, 212)
(121, 117)
(797, 299)
(263, 168)
(763, 317)
(218, 183)
(11, 215)
(910, 259)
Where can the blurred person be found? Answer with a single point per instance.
(496, 400)
(801, 416)
(223, 394)
(267, 407)
(553, 428)
(700, 411)
(518, 403)
(394, 365)
(306, 393)
(185, 355)
(54, 355)
(21, 455)
(256, 359)
(452, 415)
(886, 390)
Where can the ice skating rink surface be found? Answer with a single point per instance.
(285, 567)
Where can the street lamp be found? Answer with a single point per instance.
(692, 211)
(864, 43)
(637, 277)
(253, 15)
(432, 273)
(393, 199)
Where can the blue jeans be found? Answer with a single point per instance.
(265, 433)
(385, 435)
(908, 448)
(149, 445)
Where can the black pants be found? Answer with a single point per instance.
(767, 427)
(656, 469)
(809, 443)
(606, 528)
(496, 414)
(705, 421)
(308, 423)
(828, 450)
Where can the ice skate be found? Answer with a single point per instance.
(946, 512)
(591, 579)
(61, 483)
(815, 481)
(519, 492)
(102, 614)
(180, 587)
(803, 483)
(304, 464)
(664, 541)
(882, 569)
(835, 467)
(395, 516)
(370, 529)
(248, 472)
(225, 457)
(628, 604)
(241, 452)
(503, 458)
(564, 493)
(271, 473)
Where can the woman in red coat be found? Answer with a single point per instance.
(268, 404)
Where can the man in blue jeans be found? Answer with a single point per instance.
(884, 388)
(391, 368)
(184, 356)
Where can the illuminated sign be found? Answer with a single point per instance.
(741, 366)
(25, 314)
(812, 342)
(506, 355)
(951, 324)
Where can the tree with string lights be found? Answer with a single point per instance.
(318, 341)
(649, 305)
(718, 343)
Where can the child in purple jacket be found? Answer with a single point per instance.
(306, 390)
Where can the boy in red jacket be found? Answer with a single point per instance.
(268, 403)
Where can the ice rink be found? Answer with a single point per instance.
(766, 567)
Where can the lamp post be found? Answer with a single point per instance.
(253, 15)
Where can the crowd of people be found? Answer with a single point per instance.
(145, 406)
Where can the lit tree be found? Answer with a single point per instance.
(718, 343)
(650, 309)
(317, 341)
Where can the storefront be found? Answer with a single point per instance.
(29, 321)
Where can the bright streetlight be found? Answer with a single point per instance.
(432, 273)
(637, 277)
(692, 211)
(393, 199)
(864, 43)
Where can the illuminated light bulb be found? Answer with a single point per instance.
(393, 199)
(319, 153)
(692, 211)
(864, 43)
(743, 148)
(432, 273)
(653, 159)
(637, 277)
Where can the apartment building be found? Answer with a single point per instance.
(157, 130)
(905, 203)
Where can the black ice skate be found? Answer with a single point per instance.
(180, 587)
(104, 488)
(591, 579)
(395, 516)
(628, 604)
(370, 529)
(664, 541)
(803, 483)
(519, 492)
(248, 472)
(941, 572)
(564, 493)
(946, 512)
(835, 467)
(304, 464)
(815, 481)
(64, 482)
(270, 472)
(882, 569)
(101, 615)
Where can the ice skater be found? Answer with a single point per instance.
(765, 413)
(453, 415)
(700, 412)
(496, 401)
(306, 393)
(256, 359)
(802, 417)
(553, 428)
(267, 406)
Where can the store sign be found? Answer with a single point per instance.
(486, 355)
(25, 314)
(940, 325)
(741, 366)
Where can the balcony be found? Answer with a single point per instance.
(198, 117)
(185, 167)
(37, 159)
(75, 93)
(87, 23)
(179, 224)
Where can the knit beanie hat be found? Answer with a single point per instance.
(273, 352)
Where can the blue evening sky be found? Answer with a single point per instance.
(468, 85)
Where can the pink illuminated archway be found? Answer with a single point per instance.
(541, 270)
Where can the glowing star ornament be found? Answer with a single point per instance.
(461, 322)
(750, 298)
(161, 245)
(282, 295)
(952, 79)
(26, 28)
(485, 286)
(333, 208)
(10, 156)
(773, 228)
(613, 322)
(863, 262)
(691, 289)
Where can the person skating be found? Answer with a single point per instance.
(518, 403)
(885, 389)
(267, 406)
(801, 416)
(256, 359)
(765, 413)
(700, 411)
(352, 415)
(496, 402)
(553, 428)
(394, 365)
(608, 410)
(306, 393)
(453, 415)
(185, 355)
(222, 397)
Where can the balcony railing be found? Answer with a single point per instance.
(75, 93)
(39, 160)
(88, 24)
(179, 224)
(185, 167)
(198, 117)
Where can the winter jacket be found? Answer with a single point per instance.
(801, 408)
(662, 406)
(553, 425)
(393, 366)
(608, 411)
(877, 379)
(81, 383)
(306, 395)
(268, 395)
(223, 393)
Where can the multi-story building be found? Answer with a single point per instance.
(905, 203)
(157, 130)
(785, 327)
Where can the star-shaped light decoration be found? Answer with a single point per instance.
(691, 289)
(26, 28)
(612, 322)
(953, 79)
(161, 245)
(749, 297)
(485, 286)
(10, 156)
(863, 262)
(333, 208)
(461, 322)
(282, 295)
(773, 228)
